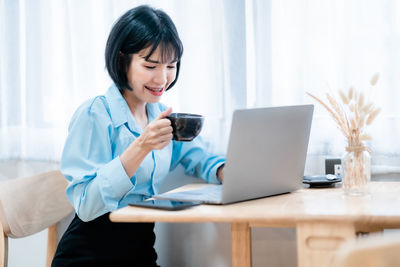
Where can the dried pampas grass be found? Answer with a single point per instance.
(352, 114)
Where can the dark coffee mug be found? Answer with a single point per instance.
(185, 126)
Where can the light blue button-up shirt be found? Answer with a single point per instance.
(100, 130)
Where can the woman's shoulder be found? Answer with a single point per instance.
(94, 107)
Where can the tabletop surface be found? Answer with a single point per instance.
(381, 206)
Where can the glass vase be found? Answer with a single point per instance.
(357, 171)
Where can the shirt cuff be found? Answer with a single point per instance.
(114, 181)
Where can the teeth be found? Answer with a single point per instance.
(154, 90)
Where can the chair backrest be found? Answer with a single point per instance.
(376, 250)
(31, 204)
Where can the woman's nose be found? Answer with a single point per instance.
(160, 77)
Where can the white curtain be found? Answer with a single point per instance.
(237, 54)
(320, 46)
(52, 59)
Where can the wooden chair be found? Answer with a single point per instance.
(29, 205)
(375, 250)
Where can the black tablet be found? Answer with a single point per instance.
(165, 204)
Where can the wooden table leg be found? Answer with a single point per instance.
(317, 242)
(241, 245)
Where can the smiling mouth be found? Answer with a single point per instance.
(156, 90)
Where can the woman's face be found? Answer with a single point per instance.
(150, 78)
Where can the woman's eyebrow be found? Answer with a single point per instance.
(158, 62)
(151, 61)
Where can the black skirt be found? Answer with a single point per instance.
(103, 243)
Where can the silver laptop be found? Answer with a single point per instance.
(266, 156)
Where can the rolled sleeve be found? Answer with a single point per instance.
(196, 160)
(114, 182)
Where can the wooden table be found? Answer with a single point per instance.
(323, 218)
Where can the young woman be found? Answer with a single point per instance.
(119, 148)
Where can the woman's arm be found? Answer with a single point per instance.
(197, 161)
(97, 181)
(156, 135)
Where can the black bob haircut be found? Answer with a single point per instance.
(140, 28)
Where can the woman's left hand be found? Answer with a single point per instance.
(220, 173)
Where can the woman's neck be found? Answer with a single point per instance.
(137, 108)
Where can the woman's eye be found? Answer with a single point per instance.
(171, 67)
(150, 67)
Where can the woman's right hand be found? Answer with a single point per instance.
(157, 134)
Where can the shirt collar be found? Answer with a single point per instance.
(120, 112)
(118, 107)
